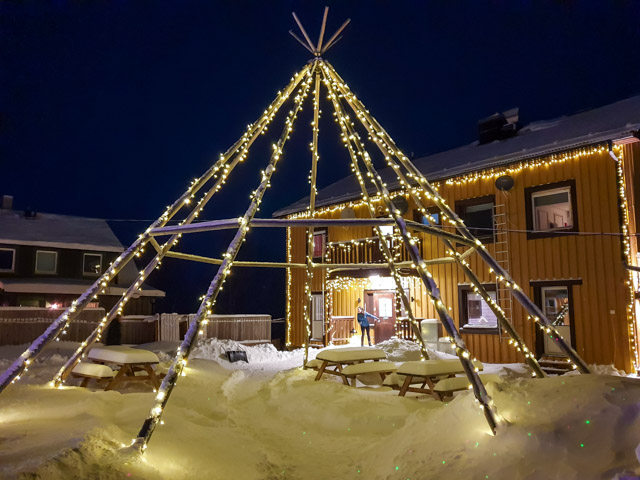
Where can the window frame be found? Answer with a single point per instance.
(529, 195)
(461, 206)
(463, 314)
(40, 272)
(91, 274)
(325, 238)
(13, 260)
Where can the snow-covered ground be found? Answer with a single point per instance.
(268, 419)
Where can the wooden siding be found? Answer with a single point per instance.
(593, 257)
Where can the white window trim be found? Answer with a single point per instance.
(92, 274)
(13, 260)
(544, 193)
(55, 270)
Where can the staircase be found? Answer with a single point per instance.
(501, 254)
(555, 364)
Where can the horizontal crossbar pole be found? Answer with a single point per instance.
(237, 263)
(231, 223)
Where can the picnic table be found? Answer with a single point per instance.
(350, 362)
(131, 363)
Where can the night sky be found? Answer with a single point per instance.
(109, 109)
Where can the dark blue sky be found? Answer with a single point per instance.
(108, 109)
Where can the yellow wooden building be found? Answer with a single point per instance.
(555, 204)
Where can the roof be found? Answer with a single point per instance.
(68, 286)
(58, 231)
(76, 286)
(610, 122)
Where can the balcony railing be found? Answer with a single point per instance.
(365, 250)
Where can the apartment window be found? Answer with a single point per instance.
(319, 243)
(475, 314)
(387, 230)
(46, 261)
(432, 219)
(92, 264)
(7, 259)
(551, 209)
(477, 214)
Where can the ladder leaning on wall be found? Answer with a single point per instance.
(500, 220)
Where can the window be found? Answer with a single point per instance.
(385, 307)
(475, 314)
(551, 209)
(432, 219)
(46, 261)
(319, 242)
(477, 214)
(7, 259)
(92, 264)
(387, 230)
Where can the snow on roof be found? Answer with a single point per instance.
(67, 286)
(609, 122)
(59, 231)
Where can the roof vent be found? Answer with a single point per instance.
(29, 213)
(7, 202)
(498, 126)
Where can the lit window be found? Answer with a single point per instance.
(477, 214)
(552, 209)
(46, 261)
(92, 264)
(7, 259)
(387, 230)
(475, 313)
(385, 307)
(319, 241)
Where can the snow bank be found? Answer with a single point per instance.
(226, 421)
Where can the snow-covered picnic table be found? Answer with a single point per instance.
(350, 362)
(131, 364)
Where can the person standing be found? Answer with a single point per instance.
(365, 326)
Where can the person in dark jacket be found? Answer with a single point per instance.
(363, 320)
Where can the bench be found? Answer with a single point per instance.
(314, 364)
(428, 372)
(352, 371)
(132, 363)
(338, 358)
(92, 371)
(447, 386)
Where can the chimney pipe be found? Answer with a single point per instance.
(7, 202)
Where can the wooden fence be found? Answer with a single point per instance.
(339, 331)
(19, 325)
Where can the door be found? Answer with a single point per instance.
(382, 305)
(555, 305)
(317, 316)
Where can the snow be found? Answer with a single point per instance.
(122, 354)
(268, 419)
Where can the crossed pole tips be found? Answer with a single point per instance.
(318, 49)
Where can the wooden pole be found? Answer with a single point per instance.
(57, 326)
(322, 27)
(308, 307)
(304, 32)
(478, 286)
(347, 134)
(231, 223)
(517, 292)
(300, 41)
(96, 334)
(463, 353)
(330, 43)
(182, 355)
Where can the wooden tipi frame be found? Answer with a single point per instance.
(315, 73)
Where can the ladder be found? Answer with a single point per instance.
(501, 244)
